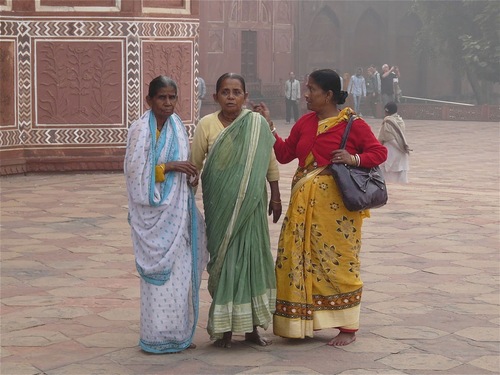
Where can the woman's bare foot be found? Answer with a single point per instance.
(225, 341)
(256, 338)
(192, 346)
(343, 339)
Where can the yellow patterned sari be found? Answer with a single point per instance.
(317, 267)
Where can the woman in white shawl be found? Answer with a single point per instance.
(168, 232)
(392, 136)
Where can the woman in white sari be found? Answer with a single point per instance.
(392, 136)
(168, 232)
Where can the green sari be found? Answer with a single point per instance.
(241, 268)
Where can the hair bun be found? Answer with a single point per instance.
(342, 97)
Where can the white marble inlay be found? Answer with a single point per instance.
(185, 10)
(51, 8)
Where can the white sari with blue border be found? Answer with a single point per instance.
(168, 235)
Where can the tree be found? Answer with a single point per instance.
(465, 33)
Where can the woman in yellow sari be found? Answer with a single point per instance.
(318, 267)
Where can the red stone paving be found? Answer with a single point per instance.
(430, 262)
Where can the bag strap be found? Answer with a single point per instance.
(346, 132)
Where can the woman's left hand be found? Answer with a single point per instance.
(275, 208)
(341, 156)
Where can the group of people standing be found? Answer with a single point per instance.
(314, 283)
(375, 87)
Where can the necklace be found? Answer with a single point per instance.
(159, 124)
(225, 121)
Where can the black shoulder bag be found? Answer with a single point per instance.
(361, 188)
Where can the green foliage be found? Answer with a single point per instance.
(482, 50)
(465, 33)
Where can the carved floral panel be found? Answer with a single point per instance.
(214, 12)
(173, 59)
(7, 89)
(216, 40)
(283, 41)
(79, 82)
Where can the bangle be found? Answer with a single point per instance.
(277, 202)
(271, 127)
(163, 167)
(358, 160)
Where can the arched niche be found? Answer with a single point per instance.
(323, 42)
(369, 41)
(411, 66)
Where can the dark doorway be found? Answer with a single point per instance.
(249, 55)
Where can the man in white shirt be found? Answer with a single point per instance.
(390, 76)
(373, 89)
(202, 90)
(357, 88)
(292, 97)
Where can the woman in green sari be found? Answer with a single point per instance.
(238, 147)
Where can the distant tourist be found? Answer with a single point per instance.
(202, 91)
(292, 97)
(389, 75)
(357, 89)
(392, 136)
(373, 89)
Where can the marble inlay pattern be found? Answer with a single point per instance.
(60, 63)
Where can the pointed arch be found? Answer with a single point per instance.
(234, 14)
(368, 42)
(412, 68)
(323, 42)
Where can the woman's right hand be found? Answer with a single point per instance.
(183, 167)
(264, 111)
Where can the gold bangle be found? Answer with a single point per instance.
(163, 167)
(271, 127)
(277, 202)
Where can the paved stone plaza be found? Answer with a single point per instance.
(430, 263)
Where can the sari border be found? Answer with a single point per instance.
(306, 178)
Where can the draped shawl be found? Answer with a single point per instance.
(163, 216)
(393, 128)
(233, 183)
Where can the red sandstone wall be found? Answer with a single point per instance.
(74, 74)
(221, 25)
